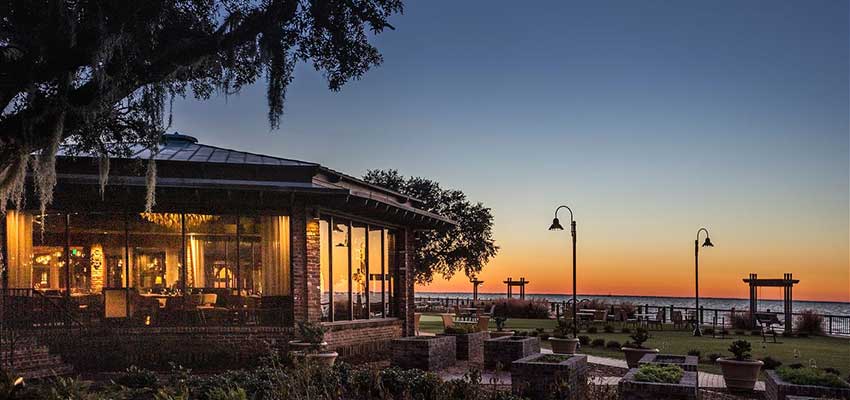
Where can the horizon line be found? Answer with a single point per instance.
(632, 295)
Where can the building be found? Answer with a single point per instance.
(240, 247)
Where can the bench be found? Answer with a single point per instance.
(768, 321)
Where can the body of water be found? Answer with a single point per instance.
(823, 307)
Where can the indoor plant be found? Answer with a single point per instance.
(312, 344)
(634, 350)
(741, 371)
(561, 343)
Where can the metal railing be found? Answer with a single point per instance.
(30, 309)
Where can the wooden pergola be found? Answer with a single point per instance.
(786, 282)
(520, 283)
(475, 284)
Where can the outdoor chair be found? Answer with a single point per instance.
(627, 320)
(678, 320)
(768, 323)
(657, 320)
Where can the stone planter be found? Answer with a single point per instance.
(326, 358)
(633, 355)
(428, 353)
(505, 350)
(470, 346)
(740, 376)
(777, 389)
(535, 379)
(563, 345)
(630, 389)
(687, 363)
(498, 334)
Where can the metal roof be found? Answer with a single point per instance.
(177, 147)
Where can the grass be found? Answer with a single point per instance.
(823, 351)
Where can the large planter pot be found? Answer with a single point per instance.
(498, 334)
(501, 352)
(428, 353)
(298, 345)
(326, 358)
(685, 389)
(740, 375)
(563, 345)
(547, 376)
(470, 346)
(777, 389)
(633, 355)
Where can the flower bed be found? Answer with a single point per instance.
(558, 376)
(687, 363)
(505, 350)
(469, 346)
(777, 388)
(428, 353)
(633, 389)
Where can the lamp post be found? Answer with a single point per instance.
(556, 226)
(697, 331)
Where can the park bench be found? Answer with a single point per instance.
(768, 322)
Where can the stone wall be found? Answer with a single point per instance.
(631, 389)
(777, 389)
(503, 351)
(535, 380)
(470, 346)
(363, 339)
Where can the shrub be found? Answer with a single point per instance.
(741, 321)
(518, 308)
(771, 363)
(592, 329)
(659, 373)
(135, 377)
(830, 370)
(544, 336)
(563, 328)
(500, 322)
(708, 331)
(741, 350)
(584, 340)
(628, 308)
(608, 329)
(613, 344)
(461, 329)
(810, 376)
(640, 337)
(595, 304)
(712, 357)
(598, 342)
(694, 352)
(809, 322)
(626, 329)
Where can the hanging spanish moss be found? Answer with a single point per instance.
(44, 167)
(150, 183)
(12, 181)
(103, 170)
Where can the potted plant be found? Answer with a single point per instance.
(312, 344)
(500, 327)
(741, 371)
(634, 350)
(561, 343)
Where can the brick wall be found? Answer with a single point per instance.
(406, 276)
(298, 250)
(364, 339)
(200, 348)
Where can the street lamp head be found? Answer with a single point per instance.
(708, 242)
(556, 225)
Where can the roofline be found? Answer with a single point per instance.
(358, 181)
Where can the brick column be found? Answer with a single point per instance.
(406, 278)
(304, 243)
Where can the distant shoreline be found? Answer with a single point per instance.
(621, 295)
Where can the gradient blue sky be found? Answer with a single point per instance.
(649, 118)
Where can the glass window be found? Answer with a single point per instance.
(359, 271)
(41, 246)
(97, 252)
(340, 255)
(390, 262)
(156, 252)
(211, 255)
(376, 272)
(325, 267)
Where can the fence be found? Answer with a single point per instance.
(721, 318)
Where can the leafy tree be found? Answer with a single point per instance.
(466, 247)
(100, 74)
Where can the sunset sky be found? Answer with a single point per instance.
(650, 119)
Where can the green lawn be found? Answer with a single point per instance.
(825, 351)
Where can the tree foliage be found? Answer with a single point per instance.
(100, 74)
(467, 247)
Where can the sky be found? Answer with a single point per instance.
(649, 119)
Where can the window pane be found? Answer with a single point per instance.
(359, 271)
(376, 272)
(390, 262)
(155, 252)
(211, 256)
(250, 255)
(325, 267)
(41, 246)
(97, 252)
(341, 289)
